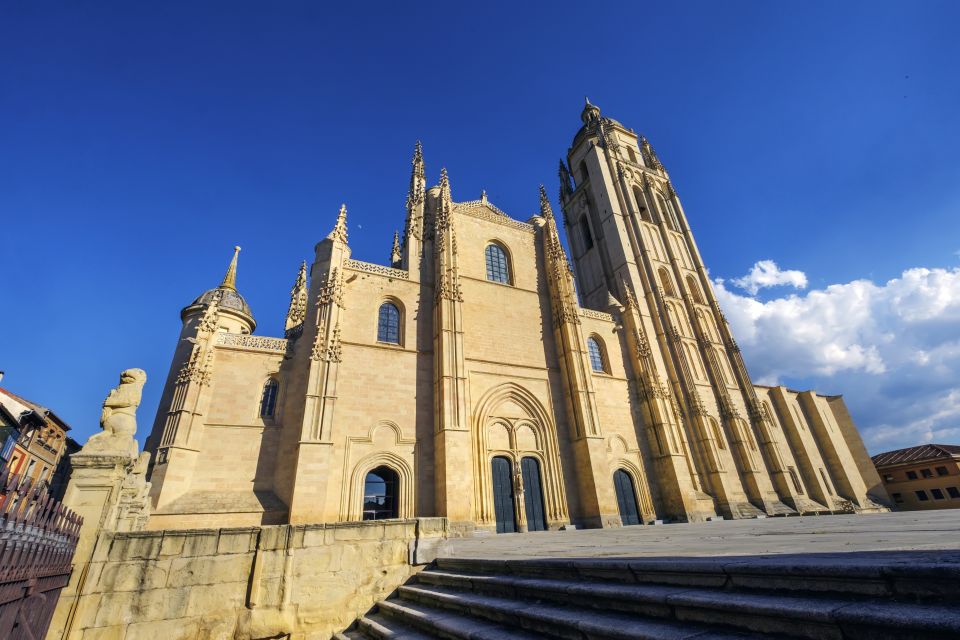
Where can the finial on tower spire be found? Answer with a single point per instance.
(340, 229)
(590, 112)
(230, 277)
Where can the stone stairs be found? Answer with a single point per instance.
(894, 595)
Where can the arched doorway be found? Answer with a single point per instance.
(533, 494)
(380, 494)
(626, 498)
(503, 495)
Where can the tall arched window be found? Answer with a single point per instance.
(380, 497)
(665, 282)
(641, 207)
(596, 355)
(583, 172)
(694, 290)
(388, 324)
(497, 267)
(632, 154)
(268, 400)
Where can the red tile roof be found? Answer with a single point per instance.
(916, 454)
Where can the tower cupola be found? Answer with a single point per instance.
(235, 314)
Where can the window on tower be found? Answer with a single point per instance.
(498, 269)
(641, 207)
(633, 156)
(585, 233)
(665, 282)
(388, 324)
(694, 290)
(583, 172)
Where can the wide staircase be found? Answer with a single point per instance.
(877, 595)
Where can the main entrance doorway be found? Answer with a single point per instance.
(626, 498)
(533, 494)
(503, 495)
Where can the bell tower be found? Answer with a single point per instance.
(629, 237)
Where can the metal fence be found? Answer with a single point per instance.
(38, 537)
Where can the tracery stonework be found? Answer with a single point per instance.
(481, 403)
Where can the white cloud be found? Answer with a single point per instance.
(766, 273)
(892, 350)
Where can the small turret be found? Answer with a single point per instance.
(233, 311)
(590, 113)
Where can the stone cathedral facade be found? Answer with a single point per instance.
(476, 378)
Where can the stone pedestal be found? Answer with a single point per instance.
(108, 488)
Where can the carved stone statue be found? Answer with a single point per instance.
(118, 418)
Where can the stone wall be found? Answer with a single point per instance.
(283, 581)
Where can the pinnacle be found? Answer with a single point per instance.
(340, 229)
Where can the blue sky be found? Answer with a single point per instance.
(141, 141)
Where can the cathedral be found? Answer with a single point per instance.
(484, 377)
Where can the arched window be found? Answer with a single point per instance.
(497, 267)
(268, 401)
(641, 207)
(596, 355)
(388, 324)
(633, 156)
(665, 282)
(694, 290)
(380, 498)
(583, 172)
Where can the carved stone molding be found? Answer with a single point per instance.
(379, 269)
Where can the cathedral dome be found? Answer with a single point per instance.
(228, 299)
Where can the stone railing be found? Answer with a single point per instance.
(596, 315)
(379, 269)
(257, 343)
(486, 211)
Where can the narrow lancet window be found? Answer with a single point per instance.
(268, 401)
(596, 356)
(388, 324)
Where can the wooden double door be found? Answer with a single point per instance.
(506, 496)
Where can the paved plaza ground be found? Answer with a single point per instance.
(910, 530)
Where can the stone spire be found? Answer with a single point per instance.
(395, 255)
(339, 232)
(545, 210)
(413, 236)
(230, 277)
(298, 301)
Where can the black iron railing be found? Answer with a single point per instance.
(38, 537)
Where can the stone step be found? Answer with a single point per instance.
(538, 619)
(901, 576)
(445, 623)
(790, 615)
(377, 625)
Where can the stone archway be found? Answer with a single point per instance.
(510, 422)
